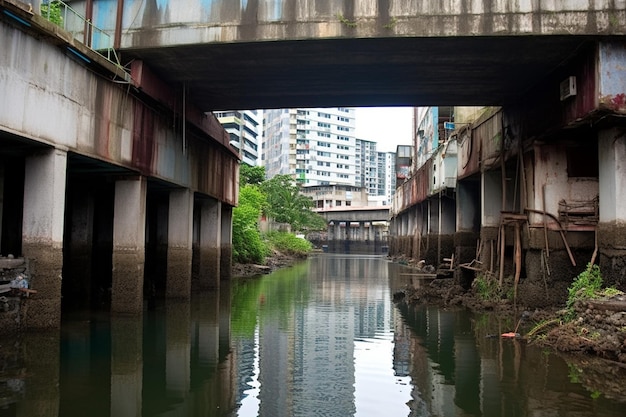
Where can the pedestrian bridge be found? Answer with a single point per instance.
(321, 53)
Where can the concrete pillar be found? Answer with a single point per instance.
(1, 201)
(42, 235)
(77, 281)
(126, 366)
(129, 230)
(210, 236)
(361, 236)
(226, 247)
(612, 216)
(179, 244)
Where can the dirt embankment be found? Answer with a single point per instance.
(599, 328)
(273, 262)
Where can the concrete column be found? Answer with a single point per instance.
(1, 201)
(210, 236)
(129, 231)
(126, 366)
(77, 281)
(179, 244)
(612, 216)
(361, 236)
(226, 247)
(42, 235)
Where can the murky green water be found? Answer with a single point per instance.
(320, 339)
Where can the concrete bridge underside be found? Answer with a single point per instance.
(316, 53)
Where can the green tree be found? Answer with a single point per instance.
(285, 204)
(251, 175)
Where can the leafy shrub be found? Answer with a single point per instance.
(248, 247)
(289, 243)
(486, 288)
(587, 285)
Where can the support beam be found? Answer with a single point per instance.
(42, 235)
(129, 231)
(179, 244)
(226, 244)
(612, 216)
(210, 239)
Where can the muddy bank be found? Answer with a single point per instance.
(273, 262)
(599, 328)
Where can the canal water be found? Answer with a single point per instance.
(322, 338)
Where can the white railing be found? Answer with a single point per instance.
(81, 29)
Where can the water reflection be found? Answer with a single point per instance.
(319, 339)
(323, 341)
(463, 371)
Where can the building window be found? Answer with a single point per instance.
(338, 203)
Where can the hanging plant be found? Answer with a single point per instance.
(52, 12)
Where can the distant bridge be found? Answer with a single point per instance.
(357, 229)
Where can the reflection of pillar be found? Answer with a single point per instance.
(178, 348)
(42, 234)
(210, 236)
(42, 354)
(179, 245)
(207, 328)
(129, 234)
(126, 366)
(226, 247)
(224, 321)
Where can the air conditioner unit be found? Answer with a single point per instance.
(568, 87)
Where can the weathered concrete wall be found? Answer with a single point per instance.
(57, 101)
(165, 22)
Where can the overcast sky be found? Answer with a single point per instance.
(388, 126)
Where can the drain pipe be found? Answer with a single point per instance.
(117, 39)
(184, 121)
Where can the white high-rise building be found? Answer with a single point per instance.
(243, 126)
(316, 146)
(375, 171)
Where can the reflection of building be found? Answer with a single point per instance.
(309, 350)
(243, 128)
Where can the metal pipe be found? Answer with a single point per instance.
(117, 40)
